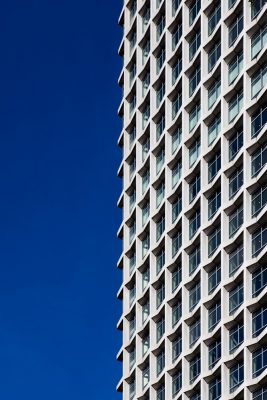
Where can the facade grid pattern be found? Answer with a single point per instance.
(194, 225)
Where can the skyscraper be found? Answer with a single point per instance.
(194, 228)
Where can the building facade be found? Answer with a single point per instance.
(194, 229)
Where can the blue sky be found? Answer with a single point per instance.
(58, 193)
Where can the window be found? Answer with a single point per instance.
(176, 313)
(160, 60)
(194, 332)
(194, 188)
(235, 221)
(145, 246)
(145, 377)
(214, 129)
(258, 41)
(160, 227)
(176, 243)
(145, 148)
(160, 160)
(236, 375)
(259, 361)
(146, 18)
(235, 182)
(176, 36)
(215, 389)
(260, 394)
(132, 136)
(258, 200)
(231, 3)
(214, 353)
(214, 166)
(132, 263)
(176, 173)
(259, 321)
(258, 81)
(235, 29)
(133, 9)
(176, 348)
(132, 356)
(145, 51)
(176, 139)
(236, 298)
(236, 337)
(235, 67)
(132, 74)
(146, 115)
(236, 259)
(132, 199)
(235, 105)
(259, 281)
(132, 295)
(160, 126)
(194, 260)
(132, 167)
(213, 93)
(160, 362)
(176, 278)
(214, 18)
(145, 345)
(195, 396)
(193, 11)
(235, 144)
(132, 390)
(214, 316)
(160, 295)
(160, 193)
(160, 26)
(194, 224)
(194, 152)
(214, 278)
(194, 117)
(258, 160)
(160, 93)
(132, 41)
(160, 329)
(176, 383)
(194, 369)
(176, 105)
(256, 7)
(145, 278)
(132, 105)
(176, 208)
(175, 6)
(194, 45)
(214, 203)
(258, 121)
(145, 311)
(145, 213)
(194, 80)
(132, 230)
(259, 241)
(176, 70)
(161, 393)
(194, 296)
(214, 241)
(160, 261)
(132, 323)
(214, 56)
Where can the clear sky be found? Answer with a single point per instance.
(58, 194)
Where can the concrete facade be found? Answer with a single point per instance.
(194, 229)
